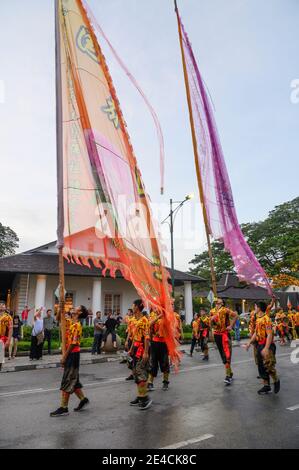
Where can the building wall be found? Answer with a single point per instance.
(120, 286)
(292, 289)
(81, 287)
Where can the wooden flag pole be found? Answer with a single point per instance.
(194, 141)
(59, 150)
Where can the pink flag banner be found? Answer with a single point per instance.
(218, 197)
(105, 215)
(100, 32)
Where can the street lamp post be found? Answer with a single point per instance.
(171, 216)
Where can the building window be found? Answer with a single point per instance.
(116, 304)
(112, 303)
(108, 303)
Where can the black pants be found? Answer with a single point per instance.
(70, 380)
(36, 351)
(48, 338)
(159, 358)
(97, 343)
(223, 343)
(204, 343)
(193, 343)
(266, 367)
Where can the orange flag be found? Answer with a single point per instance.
(107, 216)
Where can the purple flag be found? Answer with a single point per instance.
(218, 197)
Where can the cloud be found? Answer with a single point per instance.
(246, 64)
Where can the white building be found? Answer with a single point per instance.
(31, 278)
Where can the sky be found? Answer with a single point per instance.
(247, 52)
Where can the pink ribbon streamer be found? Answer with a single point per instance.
(137, 86)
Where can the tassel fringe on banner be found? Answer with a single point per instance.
(106, 265)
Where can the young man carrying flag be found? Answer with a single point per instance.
(71, 362)
(222, 321)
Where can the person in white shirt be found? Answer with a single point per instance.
(37, 336)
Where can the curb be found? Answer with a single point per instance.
(94, 360)
(55, 365)
(55, 352)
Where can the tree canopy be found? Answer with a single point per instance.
(275, 242)
(9, 241)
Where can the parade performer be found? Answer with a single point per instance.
(266, 349)
(204, 327)
(178, 327)
(71, 362)
(130, 320)
(158, 352)
(222, 321)
(252, 325)
(6, 329)
(251, 328)
(139, 352)
(195, 333)
(281, 324)
(292, 323)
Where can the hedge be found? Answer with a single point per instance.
(88, 332)
(25, 345)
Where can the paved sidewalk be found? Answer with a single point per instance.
(22, 363)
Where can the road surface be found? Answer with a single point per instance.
(197, 412)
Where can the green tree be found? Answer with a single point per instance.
(275, 242)
(222, 261)
(8, 241)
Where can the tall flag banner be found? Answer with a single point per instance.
(107, 216)
(218, 197)
(121, 63)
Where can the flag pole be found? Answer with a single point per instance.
(59, 155)
(194, 141)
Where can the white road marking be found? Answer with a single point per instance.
(194, 440)
(293, 408)
(21, 392)
(45, 390)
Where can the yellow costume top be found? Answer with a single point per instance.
(222, 320)
(263, 328)
(141, 330)
(5, 324)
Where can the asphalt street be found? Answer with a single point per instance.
(197, 412)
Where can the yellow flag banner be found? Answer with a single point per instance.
(107, 216)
